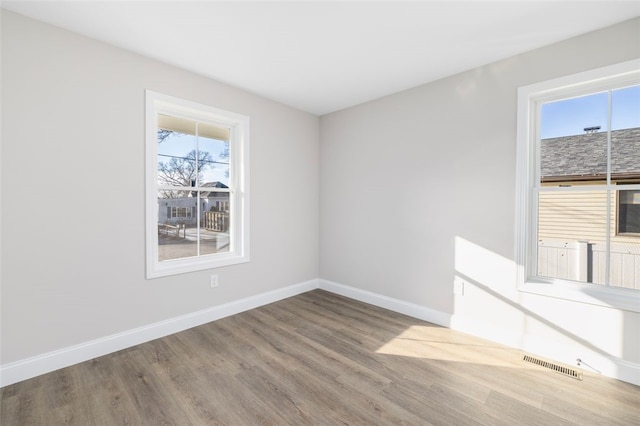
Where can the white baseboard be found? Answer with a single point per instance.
(606, 365)
(51, 361)
(396, 305)
(41, 364)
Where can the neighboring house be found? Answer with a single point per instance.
(183, 210)
(573, 226)
(215, 201)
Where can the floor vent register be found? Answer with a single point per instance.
(567, 371)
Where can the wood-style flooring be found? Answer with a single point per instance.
(317, 359)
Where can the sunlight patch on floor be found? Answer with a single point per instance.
(439, 343)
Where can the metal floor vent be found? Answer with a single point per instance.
(567, 371)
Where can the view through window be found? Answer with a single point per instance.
(587, 195)
(193, 183)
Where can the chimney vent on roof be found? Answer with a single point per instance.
(592, 129)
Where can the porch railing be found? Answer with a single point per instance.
(216, 221)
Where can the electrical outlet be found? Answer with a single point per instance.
(458, 286)
(213, 281)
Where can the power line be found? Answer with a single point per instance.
(189, 159)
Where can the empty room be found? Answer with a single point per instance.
(319, 213)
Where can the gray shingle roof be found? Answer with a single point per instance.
(215, 184)
(584, 157)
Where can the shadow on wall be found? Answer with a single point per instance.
(486, 293)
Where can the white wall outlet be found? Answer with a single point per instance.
(458, 286)
(213, 281)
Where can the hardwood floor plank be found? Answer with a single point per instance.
(107, 396)
(153, 399)
(317, 359)
(574, 413)
(518, 413)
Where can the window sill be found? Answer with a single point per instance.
(181, 266)
(593, 294)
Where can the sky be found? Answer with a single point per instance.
(179, 145)
(570, 116)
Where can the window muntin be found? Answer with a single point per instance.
(197, 186)
(568, 203)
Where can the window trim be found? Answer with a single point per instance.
(618, 221)
(530, 99)
(238, 184)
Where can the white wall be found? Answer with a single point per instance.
(442, 156)
(73, 243)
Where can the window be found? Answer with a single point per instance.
(629, 212)
(578, 234)
(184, 212)
(197, 194)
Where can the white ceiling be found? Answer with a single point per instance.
(324, 56)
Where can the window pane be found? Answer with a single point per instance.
(572, 231)
(569, 117)
(177, 225)
(215, 221)
(625, 108)
(625, 134)
(214, 155)
(176, 154)
(573, 142)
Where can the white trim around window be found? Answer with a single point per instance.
(233, 130)
(530, 99)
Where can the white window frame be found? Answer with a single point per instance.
(618, 221)
(238, 124)
(530, 100)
